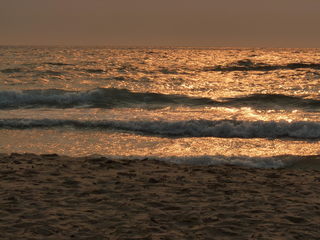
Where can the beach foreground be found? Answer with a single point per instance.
(58, 197)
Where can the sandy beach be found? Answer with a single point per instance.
(58, 197)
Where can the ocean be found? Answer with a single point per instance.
(250, 107)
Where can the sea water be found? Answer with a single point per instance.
(186, 105)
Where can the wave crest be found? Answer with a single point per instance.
(100, 97)
(116, 98)
(191, 128)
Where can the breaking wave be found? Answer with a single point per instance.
(100, 97)
(208, 160)
(273, 101)
(116, 98)
(192, 128)
(310, 162)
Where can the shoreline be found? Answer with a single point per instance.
(60, 197)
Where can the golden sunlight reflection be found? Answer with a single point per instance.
(76, 143)
(176, 114)
(72, 101)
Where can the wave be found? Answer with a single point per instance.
(98, 98)
(58, 64)
(192, 128)
(311, 162)
(11, 70)
(282, 161)
(116, 98)
(273, 101)
(94, 70)
(208, 160)
(30, 68)
(36, 72)
(248, 65)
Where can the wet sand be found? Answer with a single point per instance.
(58, 197)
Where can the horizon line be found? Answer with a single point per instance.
(155, 46)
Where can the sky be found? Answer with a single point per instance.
(223, 23)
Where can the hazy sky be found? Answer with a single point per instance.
(281, 23)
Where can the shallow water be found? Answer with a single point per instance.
(236, 106)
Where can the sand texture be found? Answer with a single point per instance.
(55, 197)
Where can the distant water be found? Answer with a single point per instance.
(199, 106)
